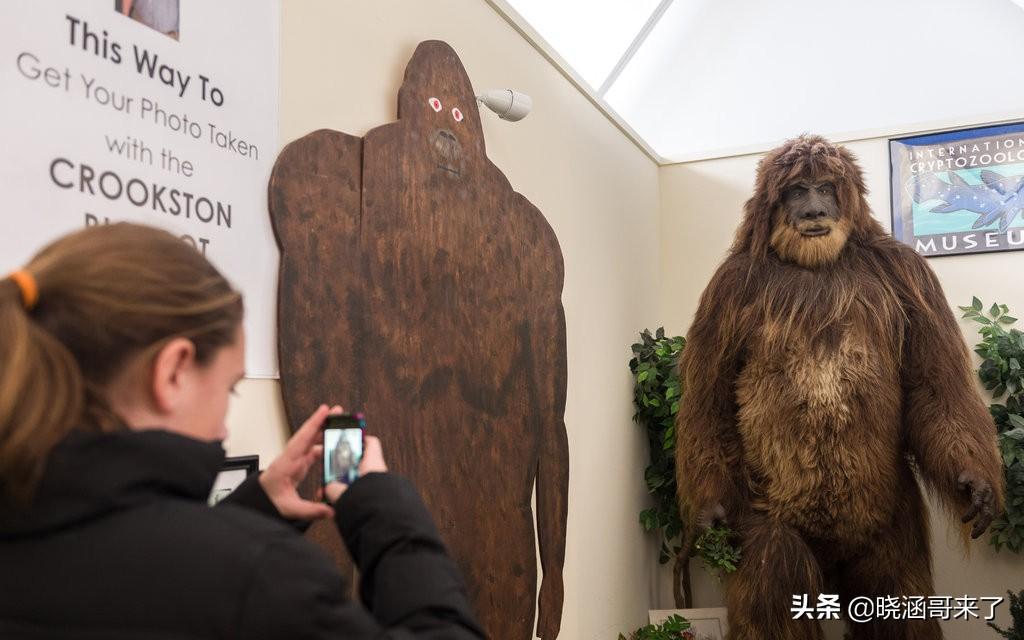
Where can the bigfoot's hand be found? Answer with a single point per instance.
(983, 502)
(549, 606)
(711, 516)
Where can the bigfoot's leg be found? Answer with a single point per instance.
(897, 563)
(776, 565)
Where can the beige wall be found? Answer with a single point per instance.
(701, 205)
(342, 63)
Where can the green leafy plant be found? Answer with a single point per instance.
(716, 551)
(656, 395)
(675, 627)
(1016, 632)
(1002, 373)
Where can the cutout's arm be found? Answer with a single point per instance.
(552, 468)
(315, 207)
(547, 367)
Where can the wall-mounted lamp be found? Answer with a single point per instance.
(507, 103)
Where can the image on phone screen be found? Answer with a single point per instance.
(343, 450)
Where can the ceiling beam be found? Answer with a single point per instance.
(634, 46)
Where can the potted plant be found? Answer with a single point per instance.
(673, 628)
(1002, 373)
(656, 394)
(1016, 632)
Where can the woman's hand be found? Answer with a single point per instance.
(281, 479)
(372, 462)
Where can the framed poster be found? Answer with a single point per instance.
(957, 192)
(159, 112)
(705, 624)
(232, 473)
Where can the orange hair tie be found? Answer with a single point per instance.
(29, 288)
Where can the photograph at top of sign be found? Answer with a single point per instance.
(160, 15)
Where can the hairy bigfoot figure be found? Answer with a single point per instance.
(823, 366)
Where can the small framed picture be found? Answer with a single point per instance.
(233, 472)
(706, 624)
(160, 15)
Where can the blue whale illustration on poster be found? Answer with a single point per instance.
(997, 198)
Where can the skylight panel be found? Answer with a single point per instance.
(591, 35)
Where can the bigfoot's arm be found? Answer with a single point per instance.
(706, 440)
(948, 429)
(315, 210)
(546, 366)
(552, 468)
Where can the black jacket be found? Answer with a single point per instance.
(120, 543)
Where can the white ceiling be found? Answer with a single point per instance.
(716, 77)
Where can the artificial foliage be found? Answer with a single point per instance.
(655, 367)
(675, 627)
(715, 549)
(1016, 632)
(656, 395)
(1002, 373)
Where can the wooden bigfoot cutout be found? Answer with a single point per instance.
(418, 286)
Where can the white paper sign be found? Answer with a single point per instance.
(166, 117)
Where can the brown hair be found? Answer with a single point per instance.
(106, 294)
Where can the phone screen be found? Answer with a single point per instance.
(343, 448)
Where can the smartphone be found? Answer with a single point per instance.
(343, 447)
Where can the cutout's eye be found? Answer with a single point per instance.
(435, 104)
(796, 192)
(826, 188)
(457, 114)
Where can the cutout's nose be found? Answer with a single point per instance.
(447, 135)
(812, 214)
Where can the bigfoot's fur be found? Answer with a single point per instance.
(816, 373)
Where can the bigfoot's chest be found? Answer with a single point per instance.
(452, 337)
(817, 417)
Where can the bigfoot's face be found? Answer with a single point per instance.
(809, 228)
(811, 208)
(444, 140)
(436, 104)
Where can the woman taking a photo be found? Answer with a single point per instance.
(119, 348)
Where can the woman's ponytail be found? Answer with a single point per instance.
(41, 394)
